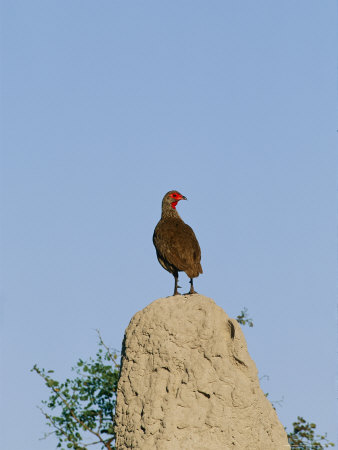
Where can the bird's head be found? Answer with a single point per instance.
(172, 198)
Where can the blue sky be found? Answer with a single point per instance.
(105, 106)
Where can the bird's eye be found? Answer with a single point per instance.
(174, 195)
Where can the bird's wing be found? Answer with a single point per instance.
(176, 242)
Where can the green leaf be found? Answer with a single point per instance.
(51, 383)
(90, 395)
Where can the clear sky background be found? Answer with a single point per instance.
(105, 106)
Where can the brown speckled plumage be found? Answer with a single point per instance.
(176, 245)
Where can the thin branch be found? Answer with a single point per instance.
(61, 430)
(64, 401)
(106, 444)
(100, 419)
(46, 435)
(105, 346)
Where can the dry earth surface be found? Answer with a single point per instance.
(188, 382)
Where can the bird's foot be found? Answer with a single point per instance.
(192, 291)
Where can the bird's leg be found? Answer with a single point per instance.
(192, 290)
(176, 284)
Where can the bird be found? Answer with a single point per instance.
(177, 248)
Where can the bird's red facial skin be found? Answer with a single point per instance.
(176, 196)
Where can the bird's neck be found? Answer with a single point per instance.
(168, 212)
